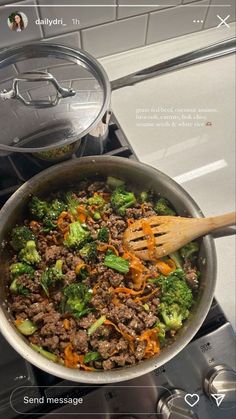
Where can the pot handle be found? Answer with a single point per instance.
(210, 52)
(35, 76)
(223, 232)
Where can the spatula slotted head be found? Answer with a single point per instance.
(167, 233)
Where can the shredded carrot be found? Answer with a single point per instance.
(171, 264)
(124, 334)
(152, 342)
(129, 291)
(64, 220)
(105, 247)
(116, 301)
(146, 297)
(66, 324)
(18, 322)
(71, 358)
(130, 221)
(80, 266)
(147, 230)
(34, 225)
(137, 270)
(163, 267)
(82, 364)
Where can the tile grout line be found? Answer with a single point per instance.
(147, 27)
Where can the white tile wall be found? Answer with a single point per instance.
(124, 11)
(69, 40)
(171, 23)
(223, 12)
(115, 37)
(113, 28)
(88, 16)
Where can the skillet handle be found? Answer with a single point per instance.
(223, 232)
(210, 52)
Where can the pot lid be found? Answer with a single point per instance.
(50, 96)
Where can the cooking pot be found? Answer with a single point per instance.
(141, 177)
(53, 96)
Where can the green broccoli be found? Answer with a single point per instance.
(19, 268)
(144, 196)
(175, 300)
(103, 235)
(17, 288)
(19, 236)
(91, 356)
(161, 330)
(72, 203)
(114, 182)
(48, 212)
(97, 201)
(38, 208)
(54, 209)
(189, 251)
(26, 327)
(29, 253)
(121, 200)
(162, 207)
(89, 252)
(177, 259)
(51, 275)
(77, 236)
(117, 263)
(76, 300)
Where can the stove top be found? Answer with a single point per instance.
(168, 384)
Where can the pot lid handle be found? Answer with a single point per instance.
(35, 76)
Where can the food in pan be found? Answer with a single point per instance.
(78, 296)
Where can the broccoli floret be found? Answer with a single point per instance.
(57, 270)
(162, 207)
(161, 330)
(17, 288)
(121, 200)
(77, 236)
(76, 300)
(117, 263)
(20, 235)
(177, 259)
(189, 251)
(89, 252)
(55, 208)
(175, 290)
(72, 203)
(17, 269)
(48, 212)
(114, 182)
(144, 196)
(38, 208)
(173, 316)
(29, 253)
(97, 201)
(103, 235)
(176, 299)
(51, 275)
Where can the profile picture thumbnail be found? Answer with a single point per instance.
(17, 21)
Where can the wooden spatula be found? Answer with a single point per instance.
(158, 236)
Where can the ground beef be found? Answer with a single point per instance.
(80, 341)
(127, 315)
(191, 275)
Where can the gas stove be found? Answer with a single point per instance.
(198, 383)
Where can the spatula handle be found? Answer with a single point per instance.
(224, 220)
